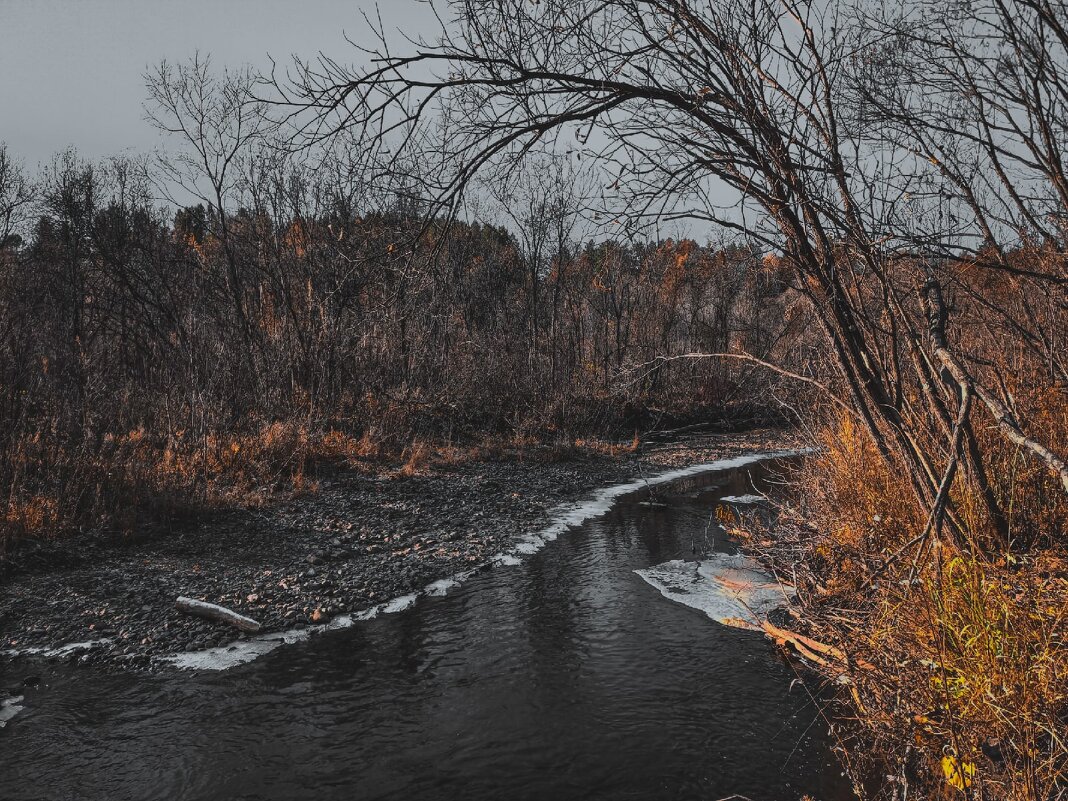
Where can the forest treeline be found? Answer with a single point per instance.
(155, 358)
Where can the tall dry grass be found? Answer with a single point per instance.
(132, 479)
(957, 682)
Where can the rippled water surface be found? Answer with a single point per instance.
(564, 677)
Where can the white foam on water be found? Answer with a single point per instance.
(441, 587)
(76, 647)
(505, 560)
(574, 514)
(236, 653)
(57, 652)
(344, 621)
(399, 604)
(9, 708)
(565, 517)
(731, 589)
(530, 545)
(742, 500)
(241, 651)
(11, 653)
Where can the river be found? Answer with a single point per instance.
(566, 676)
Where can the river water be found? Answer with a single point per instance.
(566, 676)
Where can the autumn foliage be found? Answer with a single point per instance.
(957, 641)
(153, 363)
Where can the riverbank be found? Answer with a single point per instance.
(945, 653)
(361, 539)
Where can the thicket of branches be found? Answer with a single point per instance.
(906, 162)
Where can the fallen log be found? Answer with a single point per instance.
(220, 614)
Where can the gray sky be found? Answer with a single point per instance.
(71, 70)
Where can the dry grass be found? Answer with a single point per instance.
(416, 459)
(965, 689)
(604, 448)
(131, 478)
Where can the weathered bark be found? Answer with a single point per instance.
(219, 614)
(813, 650)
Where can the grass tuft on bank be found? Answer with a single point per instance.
(956, 682)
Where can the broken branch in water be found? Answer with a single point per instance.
(812, 650)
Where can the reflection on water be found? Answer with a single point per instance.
(565, 677)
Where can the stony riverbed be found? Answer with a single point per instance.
(360, 540)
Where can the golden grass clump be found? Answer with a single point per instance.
(608, 447)
(125, 478)
(417, 458)
(963, 689)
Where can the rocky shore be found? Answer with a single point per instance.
(357, 542)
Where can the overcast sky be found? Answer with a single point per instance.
(71, 70)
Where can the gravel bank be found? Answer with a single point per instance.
(359, 541)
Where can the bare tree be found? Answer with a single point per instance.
(216, 121)
(680, 99)
(740, 114)
(542, 199)
(15, 198)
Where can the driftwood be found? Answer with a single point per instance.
(217, 613)
(813, 650)
(808, 648)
